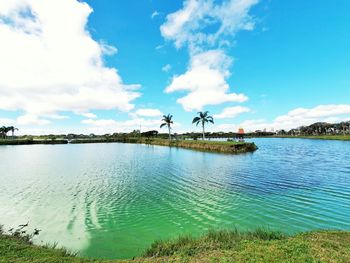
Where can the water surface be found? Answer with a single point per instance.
(112, 200)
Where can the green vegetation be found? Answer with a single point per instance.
(319, 129)
(17, 249)
(30, 141)
(203, 119)
(4, 130)
(210, 146)
(215, 246)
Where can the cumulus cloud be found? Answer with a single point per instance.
(149, 112)
(231, 112)
(295, 118)
(30, 119)
(205, 80)
(305, 116)
(50, 63)
(205, 27)
(101, 126)
(190, 24)
(166, 68)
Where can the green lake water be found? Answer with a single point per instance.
(113, 200)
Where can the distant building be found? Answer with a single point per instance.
(240, 134)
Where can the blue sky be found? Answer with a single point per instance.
(103, 66)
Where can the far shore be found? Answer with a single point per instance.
(316, 137)
(230, 147)
(155, 140)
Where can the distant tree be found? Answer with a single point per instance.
(167, 121)
(4, 130)
(150, 133)
(203, 118)
(12, 130)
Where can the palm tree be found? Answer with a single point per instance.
(12, 129)
(2, 132)
(203, 119)
(167, 121)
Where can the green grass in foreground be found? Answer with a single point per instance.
(216, 246)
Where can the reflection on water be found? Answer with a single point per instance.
(113, 200)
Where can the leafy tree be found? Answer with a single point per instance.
(203, 118)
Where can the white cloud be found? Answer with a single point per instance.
(108, 49)
(49, 64)
(155, 14)
(190, 24)
(304, 116)
(149, 112)
(102, 126)
(166, 68)
(231, 112)
(30, 119)
(205, 27)
(57, 117)
(205, 80)
(88, 115)
(331, 113)
(6, 121)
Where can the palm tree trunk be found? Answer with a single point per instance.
(169, 133)
(203, 131)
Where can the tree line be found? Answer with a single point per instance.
(4, 130)
(319, 128)
(202, 118)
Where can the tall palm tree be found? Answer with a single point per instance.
(203, 118)
(12, 129)
(167, 121)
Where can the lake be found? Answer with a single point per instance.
(113, 200)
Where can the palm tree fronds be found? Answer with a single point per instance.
(203, 118)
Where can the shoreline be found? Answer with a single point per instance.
(207, 146)
(260, 245)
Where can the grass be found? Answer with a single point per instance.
(216, 246)
(213, 240)
(30, 141)
(209, 146)
(15, 248)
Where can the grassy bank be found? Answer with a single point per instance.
(29, 142)
(209, 146)
(216, 246)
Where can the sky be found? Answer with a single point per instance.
(105, 66)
